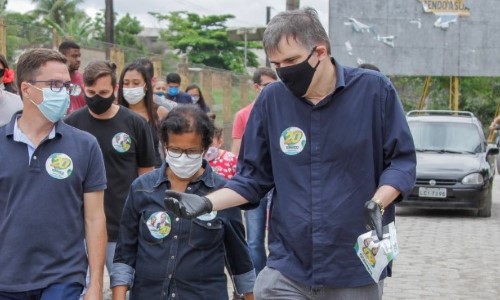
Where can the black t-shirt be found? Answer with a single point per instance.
(127, 144)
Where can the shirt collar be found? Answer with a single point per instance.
(207, 178)
(13, 130)
(339, 70)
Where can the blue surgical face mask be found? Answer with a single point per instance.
(173, 91)
(54, 104)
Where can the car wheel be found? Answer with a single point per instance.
(485, 212)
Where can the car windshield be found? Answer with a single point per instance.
(445, 137)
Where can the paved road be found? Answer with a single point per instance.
(447, 255)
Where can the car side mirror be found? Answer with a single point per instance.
(492, 150)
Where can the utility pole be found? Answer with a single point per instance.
(109, 26)
(292, 4)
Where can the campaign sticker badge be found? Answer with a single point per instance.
(159, 224)
(292, 141)
(59, 165)
(121, 142)
(208, 217)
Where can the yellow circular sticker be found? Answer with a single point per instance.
(292, 141)
(59, 166)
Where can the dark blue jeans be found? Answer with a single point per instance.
(58, 291)
(256, 232)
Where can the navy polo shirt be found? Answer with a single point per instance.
(325, 161)
(41, 207)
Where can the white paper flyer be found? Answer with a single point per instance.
(374, 254)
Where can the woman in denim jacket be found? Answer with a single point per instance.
(160, 256)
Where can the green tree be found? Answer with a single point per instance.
(205, 40)
(126, 31)
(23, 30)
(3, 6)
(80, 29)
(58, 11)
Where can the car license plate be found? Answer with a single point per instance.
(432, 192)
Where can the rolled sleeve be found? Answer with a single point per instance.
(237, 254)
(399, 150)
(122, 274)
(244, 282)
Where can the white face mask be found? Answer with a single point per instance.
(184, 166)
(134, 95)
(195, 99)
(212, 153)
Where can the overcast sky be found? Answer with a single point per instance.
(247, 12)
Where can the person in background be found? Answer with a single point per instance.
(222, 161)
(335, 145)
(72, 52)
(261, 78)
(173, 91)
(52, 183)
(6, 77)
(9, 104)
(124, 137)
(194, 91)
(181, 259)
(255, 219)
(160, 95)
(136, 93)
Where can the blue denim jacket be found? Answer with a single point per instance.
(161, 256)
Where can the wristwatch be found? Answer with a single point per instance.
(379, 204)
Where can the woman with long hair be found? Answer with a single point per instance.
(197, 96)
(135, 92)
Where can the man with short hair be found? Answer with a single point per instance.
(173, 90)
(125, 139)
(334, 143)
(72, 52)
(52, 184)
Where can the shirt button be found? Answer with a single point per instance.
(209, 224)
(34, 157)
(189, 188)
(175, 237)
(169, 276)
(172, 257)
(173, 295)
(176, 219)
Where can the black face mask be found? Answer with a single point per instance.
(98, 104)
(297, 78)
(2, 72)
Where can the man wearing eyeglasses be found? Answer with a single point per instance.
(52, 184)
(125, 139)
(73, 54)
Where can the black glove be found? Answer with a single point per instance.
(187, 206)
(373, 218)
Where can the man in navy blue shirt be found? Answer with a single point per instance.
(334, 143)
(173, 90)
(52, 184)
